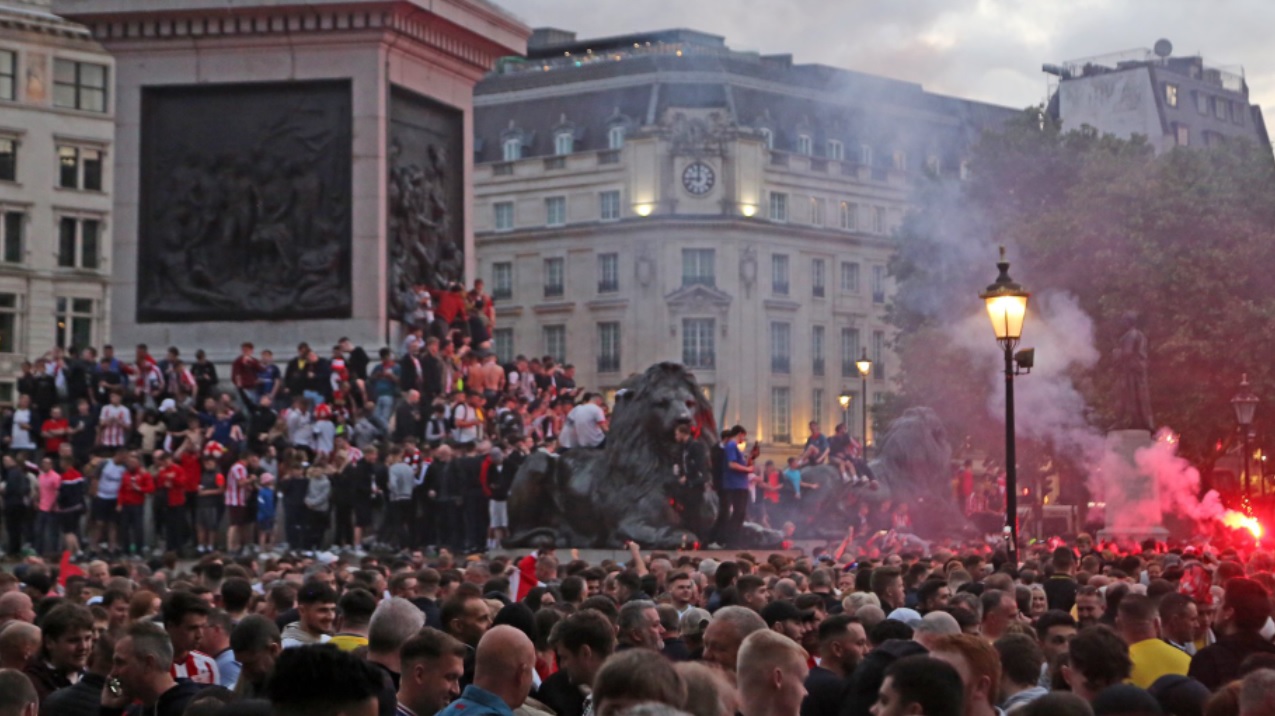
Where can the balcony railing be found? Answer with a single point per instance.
(553, 290)
(779, 159)
(704, 360)
(555, 163)
(609, 156)
(502, 293)
(817, 367)
(608, 364)
(708, 280)
(819, 165)
(781, 289)
(780, 364)
(608, 286)
(504, 169)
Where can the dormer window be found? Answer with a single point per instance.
(615, 137)
(511, 149)
(563, 142)
(836, 151)
(865, 155)
(805, 144)
(768, 137)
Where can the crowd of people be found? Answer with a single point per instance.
(1076, 629)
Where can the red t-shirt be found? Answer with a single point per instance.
(135, 487)
(173, 478)
(191, 467)
(52, 444)
(243, 372)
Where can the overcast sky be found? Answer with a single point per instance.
(989, 50)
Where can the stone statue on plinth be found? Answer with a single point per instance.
(1132, 391)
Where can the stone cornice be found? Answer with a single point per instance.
(30, 22)
(191, 21)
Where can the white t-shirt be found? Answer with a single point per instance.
(586, 420)
(20, 439)
(464, 435)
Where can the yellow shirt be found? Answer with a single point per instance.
(350, 642)
(1153, 658)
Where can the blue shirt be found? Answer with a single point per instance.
(734, 478)
(474, 701)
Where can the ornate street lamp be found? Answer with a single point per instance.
(1245, 404)
(865, 367)
(844, 400)
(1007, 307)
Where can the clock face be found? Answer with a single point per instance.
(698, 178)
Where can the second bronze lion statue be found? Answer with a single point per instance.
(605, 497)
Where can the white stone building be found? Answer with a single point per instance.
(56, 134)
(661, 197)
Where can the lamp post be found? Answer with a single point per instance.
(865, 367)
(844, 400)
(1007, 307)
(1245, 404)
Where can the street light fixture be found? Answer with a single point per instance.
(844, 400)
(1007, 308)
(1245, 404)
(865, 367)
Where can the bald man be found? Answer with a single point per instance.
(19, 643)
(503, 668)
(16, 606)
(17, 695)
(771, 675)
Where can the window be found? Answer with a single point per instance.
(556, 343)
(8, 159)
(779, 274)
(849, 216)
(1183, 135)
(504, 211)
(878, 355)
(780, 417)
(1201, 102)
(609, 205)
(78, 241)
(778, 206)
(8, 74)
(9, 323)
(14, 224)
(817, 211)
(554, 269)
(697, 343)
(816, 348)
(836, 150)
(1220, 107)
(818, 277)
(608, 273)
(865, 155)
(503, 340)
(79, 168)
(511, 149)
(816, 405)
(780, 347)
(502, 280)
(75, 322)
(964, 170)
(563, 143)
(878, 284)
(900, 160)
(768, 137)
(878, 219)
(608, 347)
(805, 145)
(698, 267)
(556, 210)
(1237, 116)
(79, 85)
(849, 352)
(615, 137)
(1170, 94)
(933, 164)
(849, 277)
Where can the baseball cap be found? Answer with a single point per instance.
(694, 621)
(911, 617)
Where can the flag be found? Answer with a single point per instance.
(66, 569)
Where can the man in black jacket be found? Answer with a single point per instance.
(84, 698)
(583, 640)
(407, 417)
(142, 660)
(1245, 609)
(429, 499)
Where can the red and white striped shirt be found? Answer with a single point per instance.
(198, 667)
(236, 490)
(115, 421)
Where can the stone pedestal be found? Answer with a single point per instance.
(1133, 511)
(285, 168)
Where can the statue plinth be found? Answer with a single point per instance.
(1132, 495)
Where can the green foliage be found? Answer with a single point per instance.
(1186, 239)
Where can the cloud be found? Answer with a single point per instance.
(988, 50)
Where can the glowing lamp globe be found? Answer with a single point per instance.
(1006, 304)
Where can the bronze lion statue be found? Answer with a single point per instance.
(603, 497)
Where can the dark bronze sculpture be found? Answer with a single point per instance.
(245, 202)
(1133, 394)
(604, 497)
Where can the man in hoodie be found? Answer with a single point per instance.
(142, 659)
(316, 608)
